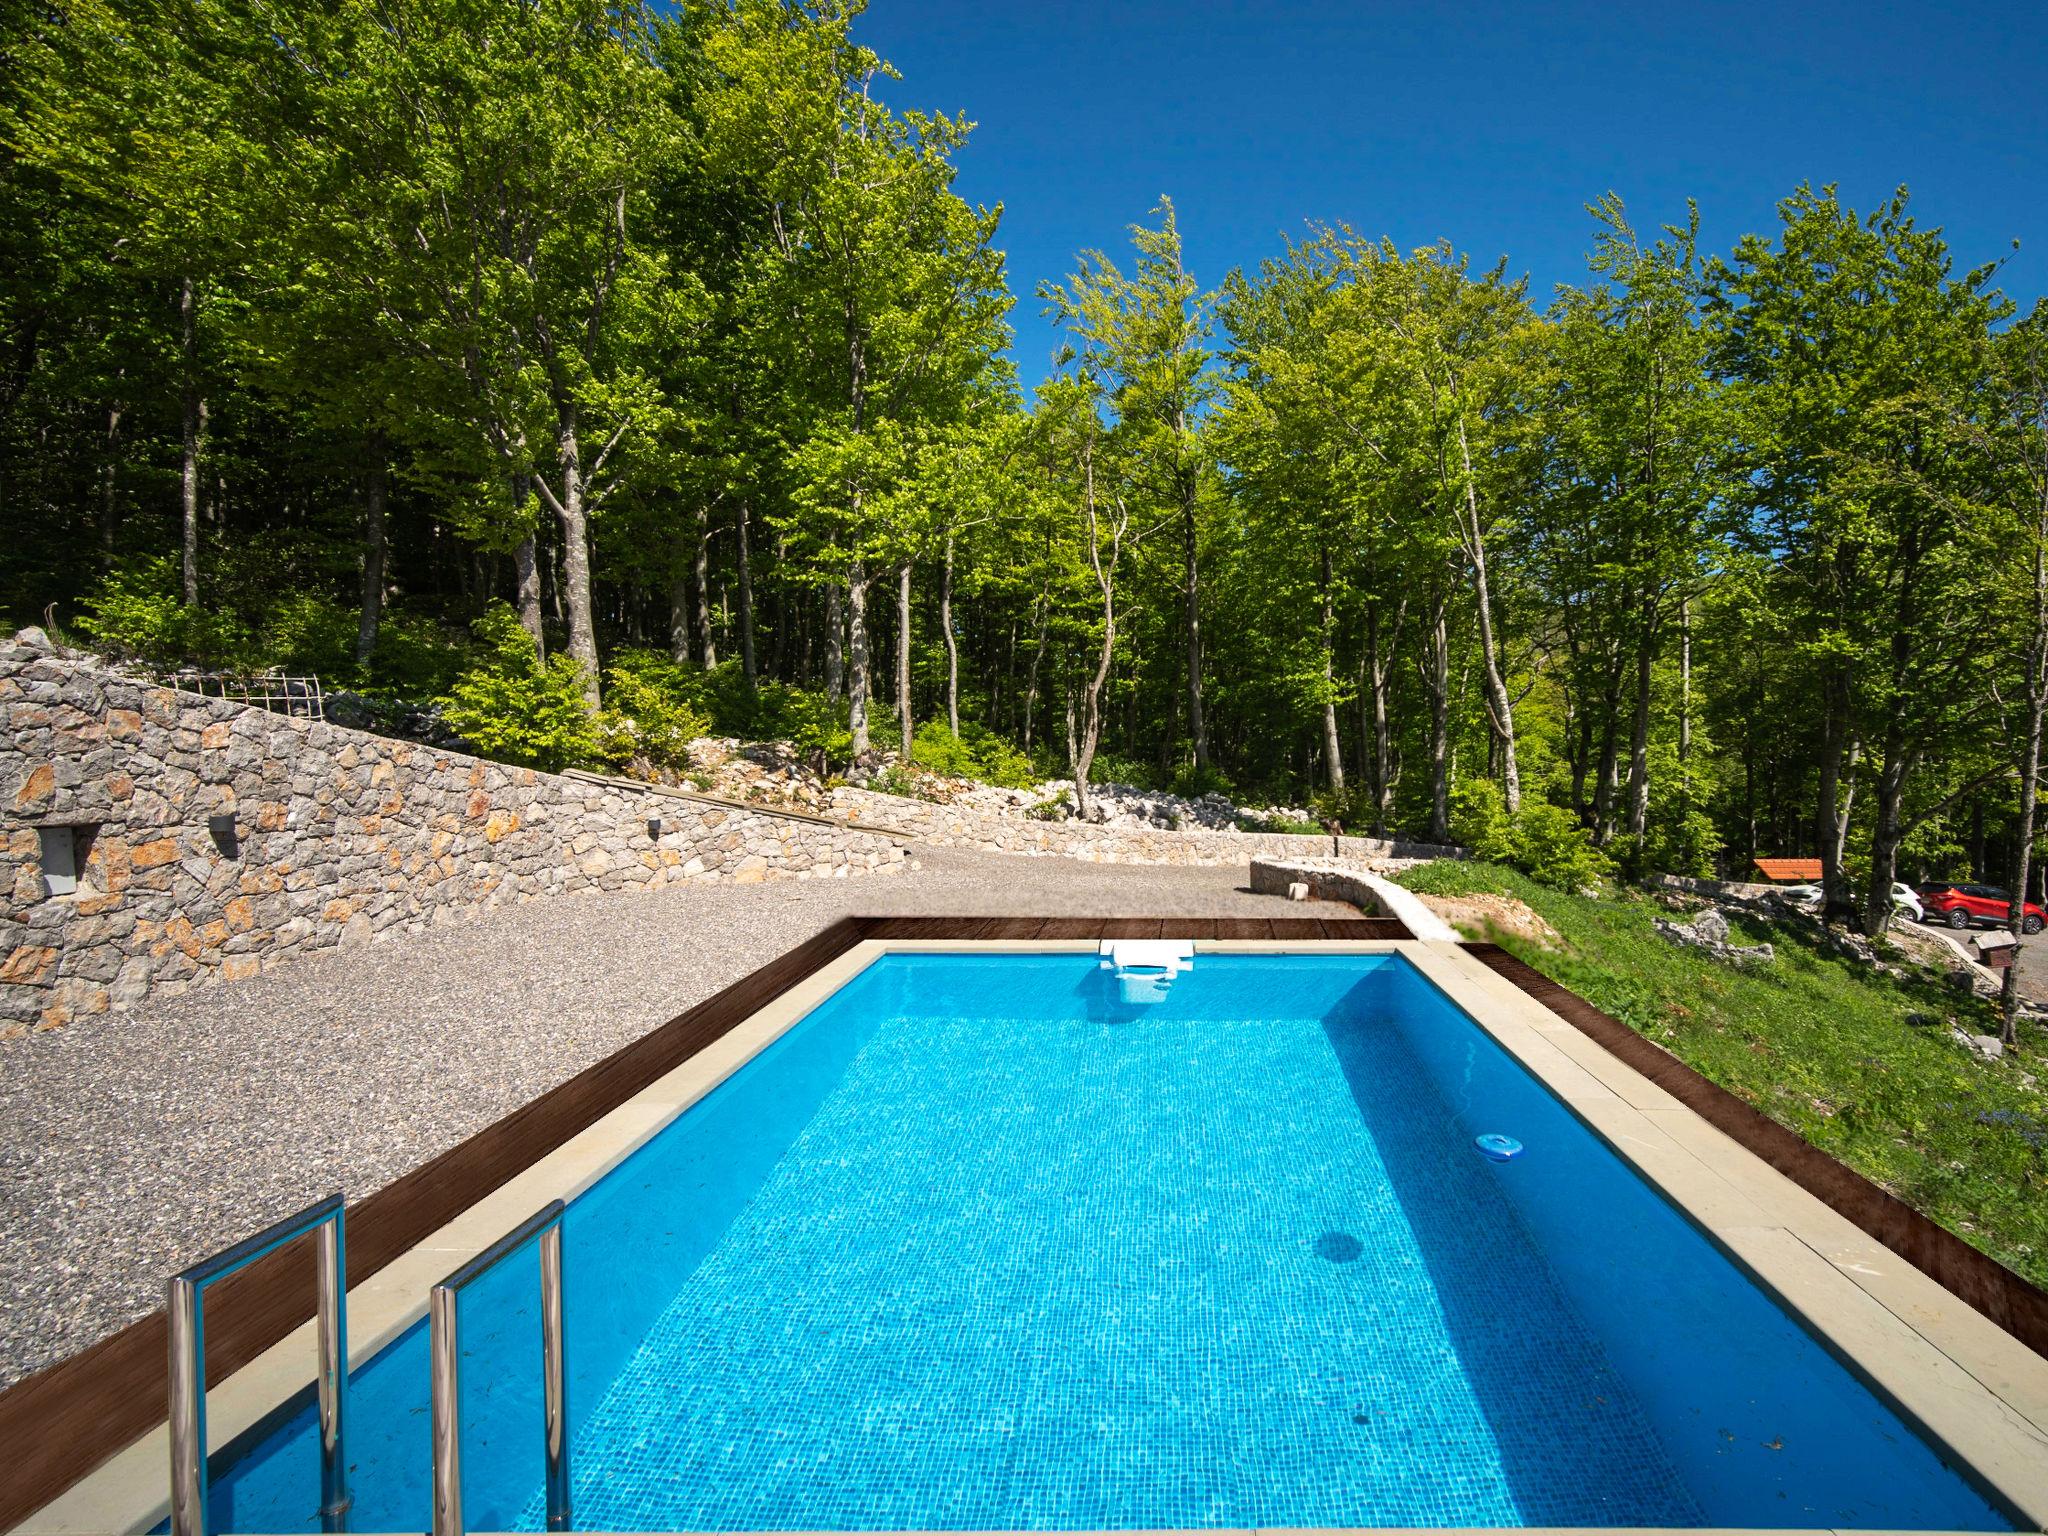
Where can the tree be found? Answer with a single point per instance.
(1847, 344)
(2015, 444)
(887, 287)
(1625, 533)
(489, 167)
(1148, 333)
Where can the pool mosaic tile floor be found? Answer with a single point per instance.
(1142, 1274)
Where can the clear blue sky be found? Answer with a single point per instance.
(1489, 124)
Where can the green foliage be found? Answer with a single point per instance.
(1550, 847)
(135, 611)
(895, 779)
(650, 710)
(1479, 820)
(1818, 1043)
(306, 633)
(1293, 824)
(1683, 841)
(1545, 841)
(1053, 809)
(976, 753)
(416, 657)
(513, 707)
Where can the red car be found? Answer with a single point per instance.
(1961, 905)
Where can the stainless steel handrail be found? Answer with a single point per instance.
(185, 1301)
(445, 1354)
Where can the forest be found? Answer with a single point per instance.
(589, 375)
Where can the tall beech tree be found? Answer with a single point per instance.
(1844, 342)
(325, 329)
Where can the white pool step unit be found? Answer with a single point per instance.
(1145, 968)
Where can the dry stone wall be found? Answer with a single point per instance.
(203, 840)
(956, 826)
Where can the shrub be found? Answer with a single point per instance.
(895, 780)
(512, 706)
(1293, 824)
(1191, 783)
(1543, 840)
(1551, 848)
(135, 611)
(1054, 809)
(649, 710)
(1479, 821)
(307, 633)
(1684, 844)
(937, 749)
(976, 753)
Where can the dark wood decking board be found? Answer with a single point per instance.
(2009, 1300)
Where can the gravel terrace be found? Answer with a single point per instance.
(138, 1142)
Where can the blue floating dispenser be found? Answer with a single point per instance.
(1498, 1148)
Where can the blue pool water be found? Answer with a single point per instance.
(978, 1246)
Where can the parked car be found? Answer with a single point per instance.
(1903, 899)
(1960, 905)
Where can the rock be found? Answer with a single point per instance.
(1989, 1047)
(1298, 891)
(1695, 936)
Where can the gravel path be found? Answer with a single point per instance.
(136, 1143)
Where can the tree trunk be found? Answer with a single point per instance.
(1333, 749)
(1639, 732)
(857, 656)
(1083, 753)
(376, 480)
(1685, 700)
(905, 729)
(1607, 771)
(746, 603)
(1830, 813)
(1031, 676)
(700, 571)
(109, 518)
(1500, 709)
(953, 646)
(575, 586)
(1378, 667)
(1436, 683)
(1191, 597)
(192, 415)
(1887, 833)
(2030, 767)
(835, 653)
(679, 620)
(526, 577)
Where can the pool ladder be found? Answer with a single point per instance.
(186, 1305)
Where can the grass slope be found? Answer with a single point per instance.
(1820, 1045)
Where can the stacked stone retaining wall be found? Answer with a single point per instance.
(215, 839)
(956, 826)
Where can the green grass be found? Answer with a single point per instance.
(1820, 1045)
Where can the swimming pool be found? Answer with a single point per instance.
(977, 1245)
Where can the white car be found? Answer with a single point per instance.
(1904, 899)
